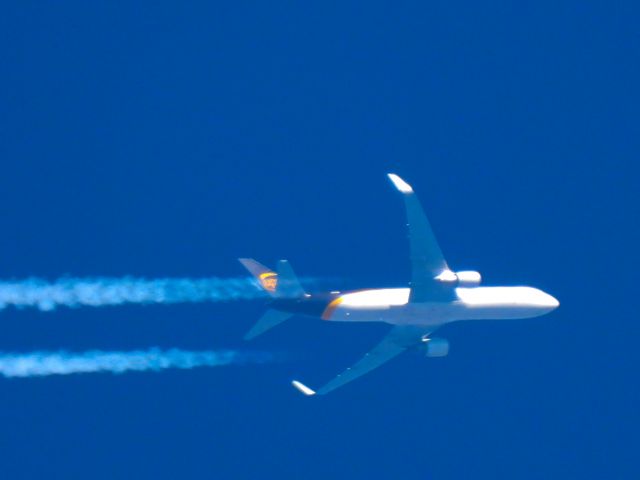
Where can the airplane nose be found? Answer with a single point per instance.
(551, 302)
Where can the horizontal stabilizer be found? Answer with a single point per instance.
(270, 319)
(288, 284)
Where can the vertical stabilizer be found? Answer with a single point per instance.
(266, 278)
(283, 284)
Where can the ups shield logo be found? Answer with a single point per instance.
(269, 281)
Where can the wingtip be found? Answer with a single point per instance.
(302, 388)
(399, 183)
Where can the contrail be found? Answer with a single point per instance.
(97, 292)
(37, 364)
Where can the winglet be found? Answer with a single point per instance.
(399, 183)
(303, 388)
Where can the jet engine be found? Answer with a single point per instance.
(467, 278)
(435, 347)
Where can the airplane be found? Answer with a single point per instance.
(436, 296)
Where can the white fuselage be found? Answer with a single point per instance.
(391, 305)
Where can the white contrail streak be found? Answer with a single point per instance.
(37, 364)
(97, 292)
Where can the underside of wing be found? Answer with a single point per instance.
(427, 260)
(398, 340)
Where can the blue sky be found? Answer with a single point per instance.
(166, 140)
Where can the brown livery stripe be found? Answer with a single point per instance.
(326, 315)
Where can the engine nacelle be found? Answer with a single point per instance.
(468, 278)
(435, 347)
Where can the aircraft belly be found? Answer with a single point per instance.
(500, 312)
(410, 314)
(505, 311)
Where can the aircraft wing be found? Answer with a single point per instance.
(427, 261)
(398, 340)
